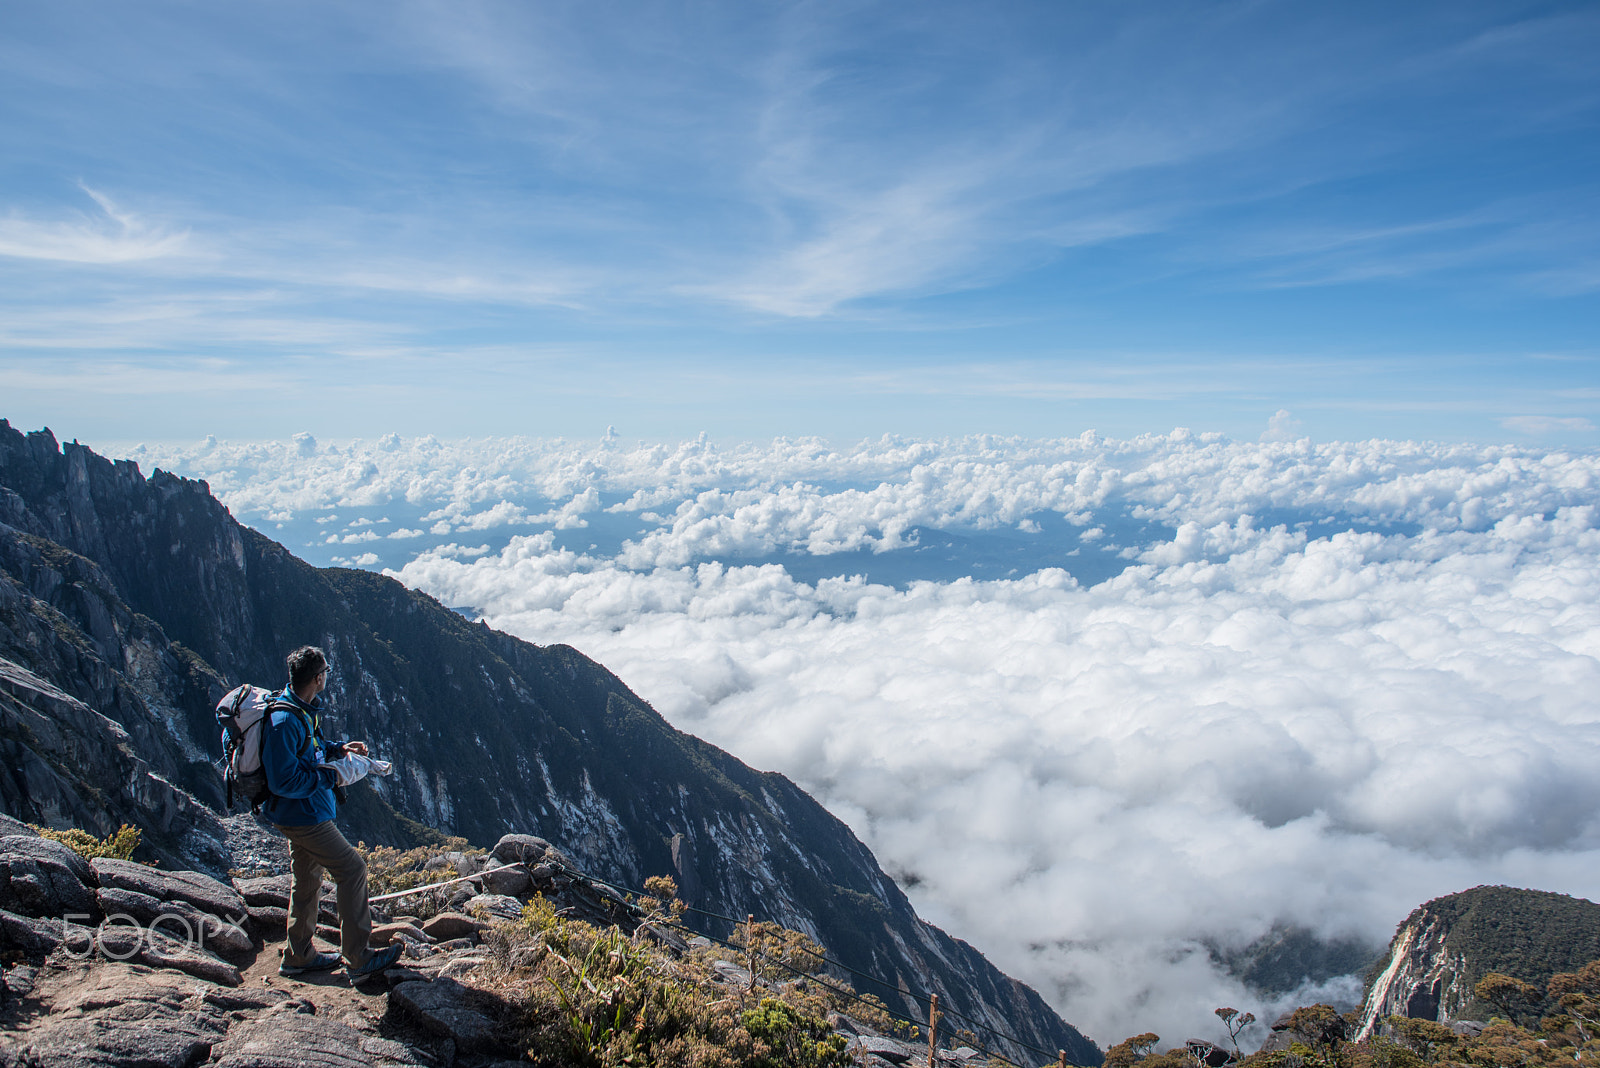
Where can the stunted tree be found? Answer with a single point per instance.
(1426, 1038)
(1235, 1021)
(1578, 994)
(1131, 1051)
(1508, 994)
(1322, 1024)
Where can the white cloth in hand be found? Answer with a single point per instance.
(353, 767)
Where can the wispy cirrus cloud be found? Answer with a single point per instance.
(113, 236)
(1538, 425)
(823, 195)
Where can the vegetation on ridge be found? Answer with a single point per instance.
(1558, 1024)
(577, 994)
(119, 844)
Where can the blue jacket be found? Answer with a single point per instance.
(302, 793)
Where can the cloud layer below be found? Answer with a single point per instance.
(1340, 680)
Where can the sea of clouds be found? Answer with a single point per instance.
(1188, 688)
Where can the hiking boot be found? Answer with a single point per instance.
(376, 963)
(322, 962)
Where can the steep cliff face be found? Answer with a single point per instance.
(91, 731)
(142, 599)
(1444, 947)
(1421, 978)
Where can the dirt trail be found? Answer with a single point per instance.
(334, 996)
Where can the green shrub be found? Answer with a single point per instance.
(793, 1040)
(118, 845)
(599, 998)
(389, 868)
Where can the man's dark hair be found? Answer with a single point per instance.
(305, 664)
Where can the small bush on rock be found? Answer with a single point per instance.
(118, 845)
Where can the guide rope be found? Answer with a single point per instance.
(435, 886)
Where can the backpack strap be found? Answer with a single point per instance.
(279, 705)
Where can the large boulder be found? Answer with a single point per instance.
(10, 826)
(201, 891)
(267, 890)
(447, 1008)
(464, 863)
(42, 877)
(520, 849)
(448, 925)
(507, 881)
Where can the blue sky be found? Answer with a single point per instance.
(839, 219)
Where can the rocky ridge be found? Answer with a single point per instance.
(110, 989)
(128, 605)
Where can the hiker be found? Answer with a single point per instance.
(302, 806)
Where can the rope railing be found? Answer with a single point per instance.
(435, 886)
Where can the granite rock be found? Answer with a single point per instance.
(450, 925)
(447, 1008)
(42, 877)
(201, 891)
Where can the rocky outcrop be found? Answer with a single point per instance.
(189, 887)
(52, 899)
(109, 1013)
(140, 599)
(293, 1040)
(1446, 946)
(41, 877)
(125, 997)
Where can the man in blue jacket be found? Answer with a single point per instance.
(302, 806)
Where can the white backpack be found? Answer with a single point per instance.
(243, 713)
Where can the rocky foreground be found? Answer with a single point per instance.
(109, 962)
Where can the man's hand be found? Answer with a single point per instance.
(356, 747)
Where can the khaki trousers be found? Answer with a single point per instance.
(311, 851)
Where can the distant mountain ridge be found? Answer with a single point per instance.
(137, 600)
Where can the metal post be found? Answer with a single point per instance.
(1061, 1061)
(933, 1027)
(750, 946)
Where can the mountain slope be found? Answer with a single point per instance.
(1445, 946)
(165, 599)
